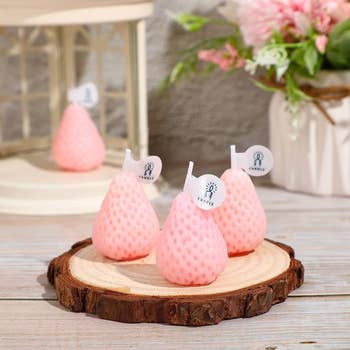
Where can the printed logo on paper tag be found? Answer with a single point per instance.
(259, 160)
(208, 191)
(86, 95)
(256, 160)
(147, 170)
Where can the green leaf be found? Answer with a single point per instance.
(191, 22)
(338, 46)
(294, 94)
(165, 85)
(277, 37)
(210, 67)
(297, 56)
(298, 63)
(177, 72)
(212, 43)
(339, 30)
(264, 87)
(184, 68)
(311, 59)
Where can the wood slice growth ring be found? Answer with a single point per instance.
(134, 291)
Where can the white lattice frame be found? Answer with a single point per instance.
(60, 48)
(20, 48)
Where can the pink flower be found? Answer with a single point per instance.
(206, 55)
(321, 42)
(323, 23)
(257, 19)
(225, 65)
(231, 50)
(226, 59)
(213, 56)
(240, 62)
(338, 10)
(292, 18)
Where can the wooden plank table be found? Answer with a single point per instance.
(316, 316)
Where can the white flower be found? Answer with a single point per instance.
(250, 66)
(281, 70)
(273, 56)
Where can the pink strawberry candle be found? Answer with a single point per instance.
(126, 226)
(77, 145)
(190, 250)
(241, 219)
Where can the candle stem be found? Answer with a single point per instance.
(127, 158)
(234, 158)
(188, 175)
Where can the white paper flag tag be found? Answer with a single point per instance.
(208, 191)
(86, 95)
(256, 160)
(147, 170)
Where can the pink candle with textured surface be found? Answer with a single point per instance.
(191, 249)
(241, 218)
(77, 145)
(127, 226)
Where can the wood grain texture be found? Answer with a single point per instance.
(279, 199)
(142, 277)
(322, 243)
(318, 229)
(299, 324)
(182, 309)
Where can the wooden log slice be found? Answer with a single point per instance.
(134, 291)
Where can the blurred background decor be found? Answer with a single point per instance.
(47, 49)
(312, 155)
(296, 50)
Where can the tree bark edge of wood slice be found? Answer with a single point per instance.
(196, 310)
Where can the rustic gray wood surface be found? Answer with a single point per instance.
(316, 316)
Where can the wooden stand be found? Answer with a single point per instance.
(134, 291)
(32, 185)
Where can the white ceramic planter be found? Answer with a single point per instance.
(315, 158)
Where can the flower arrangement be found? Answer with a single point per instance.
(284, 39)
